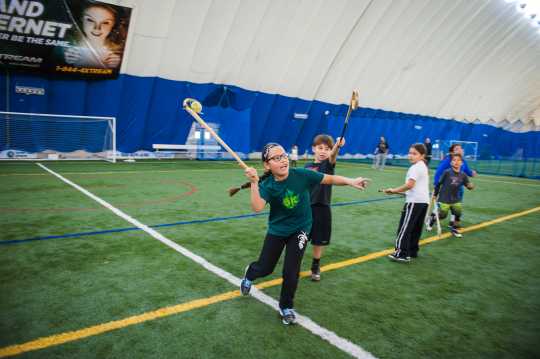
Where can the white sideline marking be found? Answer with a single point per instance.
(331, 337)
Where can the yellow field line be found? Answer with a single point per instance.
(53, 340)
(58, 339)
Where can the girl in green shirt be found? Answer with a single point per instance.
(287, 190)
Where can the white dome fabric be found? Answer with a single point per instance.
(474, 61)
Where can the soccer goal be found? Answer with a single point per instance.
(56, 137)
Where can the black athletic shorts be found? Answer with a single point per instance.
(321, 228)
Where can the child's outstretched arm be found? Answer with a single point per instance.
(358, 182)
(340, 142)
(257, 202)
(403, 188)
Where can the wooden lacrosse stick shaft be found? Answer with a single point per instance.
(353, 105)
(201, 122)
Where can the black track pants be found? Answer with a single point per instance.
(295, 246)
(410, 229)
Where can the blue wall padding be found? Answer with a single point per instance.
(234, 126)
(148, 111)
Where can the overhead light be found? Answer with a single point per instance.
(532, 9)
(300, 116)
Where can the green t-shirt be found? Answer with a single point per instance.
(290, 204)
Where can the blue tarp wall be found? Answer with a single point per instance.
(148, 111)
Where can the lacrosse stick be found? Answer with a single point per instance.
(382, 190)
(194, 107)
(433, 209)
(436, 211)
(353, 105)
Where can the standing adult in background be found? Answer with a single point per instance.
(429, 147)
(381, 151)
(294, 155)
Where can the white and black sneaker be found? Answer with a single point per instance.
(315, 275)
(288, 316)
(455, 232)
(400, 259)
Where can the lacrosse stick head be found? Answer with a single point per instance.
(354, 100)
(192, 104)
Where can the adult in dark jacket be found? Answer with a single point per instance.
(429, 148)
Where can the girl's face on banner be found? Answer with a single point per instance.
(97, 23)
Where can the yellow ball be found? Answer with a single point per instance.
(196, 106)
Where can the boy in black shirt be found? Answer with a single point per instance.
(447, 191)
(325, 153)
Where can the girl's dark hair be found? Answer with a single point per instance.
(266, 150)
(323, 139)
(421, 148)
(235, 190)
(264, 157)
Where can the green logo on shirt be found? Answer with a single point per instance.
(290, 200)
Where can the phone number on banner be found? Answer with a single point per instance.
(84, 70)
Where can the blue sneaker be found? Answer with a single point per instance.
(288, 316)
(245, 286)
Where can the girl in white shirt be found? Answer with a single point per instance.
(416, 188)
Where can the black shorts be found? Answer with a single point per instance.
(321, 228)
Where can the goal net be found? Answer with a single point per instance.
(442, 147)
(56, 137)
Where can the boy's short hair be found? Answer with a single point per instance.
(323, 139)
(453, 155)
(452, 146)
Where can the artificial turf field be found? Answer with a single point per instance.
(70, 267)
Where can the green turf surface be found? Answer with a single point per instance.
(472, 297)
(527, 168)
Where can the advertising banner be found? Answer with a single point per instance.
(82, 38)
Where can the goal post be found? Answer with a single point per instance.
(441, 148)
(56, 137)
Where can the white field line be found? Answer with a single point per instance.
(331, 337)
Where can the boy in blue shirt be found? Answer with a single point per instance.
(445, 164)
(447, 194)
